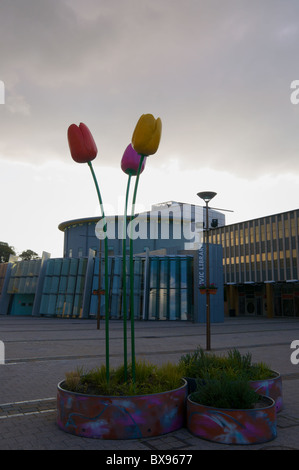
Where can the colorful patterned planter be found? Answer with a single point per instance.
(228, 426)
(129, 417)
(271, 388)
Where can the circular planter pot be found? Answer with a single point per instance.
(228, 426)
(271, 388)
(127, 417)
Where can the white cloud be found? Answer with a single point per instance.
(217, 73)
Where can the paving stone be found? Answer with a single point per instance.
(40, 350)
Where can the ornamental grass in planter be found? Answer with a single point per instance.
(260, 376)
(151, 405)
(150, 379)
(230, 412)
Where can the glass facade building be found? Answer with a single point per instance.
(68, 288)
(169, 259)
(261, 265)
(165, 287)
(171, 225)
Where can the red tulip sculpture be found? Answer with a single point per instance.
(83, 150)
(81, 142)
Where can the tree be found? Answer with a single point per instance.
(5, 252)
(28, 255)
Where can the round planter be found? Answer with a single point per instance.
(271, 388)
(127, 417)
(228, 426)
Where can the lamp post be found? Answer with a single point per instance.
(207, 196)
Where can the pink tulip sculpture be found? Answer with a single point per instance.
(130, 165)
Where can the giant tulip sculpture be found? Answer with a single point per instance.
(81, 142)
(130, 165)
(83, 150)
(147, 134)
(145, 141)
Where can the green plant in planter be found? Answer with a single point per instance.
(225, 393)
(200, 364)
(243, 364)
(149, 379)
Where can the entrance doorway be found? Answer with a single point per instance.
(22, 304)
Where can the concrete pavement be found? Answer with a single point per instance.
(38, 352)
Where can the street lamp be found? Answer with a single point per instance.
(207, 196)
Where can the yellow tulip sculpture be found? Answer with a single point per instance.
(145, 141)
(147, 134)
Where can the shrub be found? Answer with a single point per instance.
(201, 364)
(225, 393)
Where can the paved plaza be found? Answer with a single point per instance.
(38, 352)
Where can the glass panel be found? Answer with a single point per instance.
(57, 267)
(54, 284)
(153, 299)
(73, 266)
(115, 307)
(77, 307)
(174, 305)
(71, 284)
(50, 267)
(52, 305)
(60, 305)
(63, 284)
(65, 267)
(80, 284)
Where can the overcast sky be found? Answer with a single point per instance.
(217, 72)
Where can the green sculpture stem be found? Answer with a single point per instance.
(106, 270)
(132, 272)
(125, 280)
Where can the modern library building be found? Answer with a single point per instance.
(254, 265)
(169, 262)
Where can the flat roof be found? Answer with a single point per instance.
(256, 218)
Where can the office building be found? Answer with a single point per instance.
(261, 265)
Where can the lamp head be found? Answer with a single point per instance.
(206, 195)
